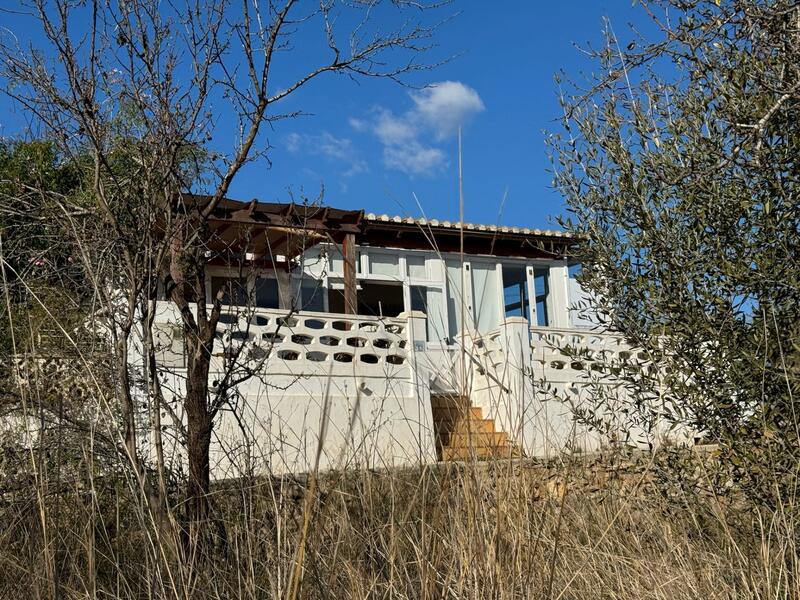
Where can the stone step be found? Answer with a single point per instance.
(480, 453)
(456, 414)
(449, 401)
(444, 430)
(466, 426)
(494, 439)
(463, 434)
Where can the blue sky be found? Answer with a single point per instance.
(373, 144)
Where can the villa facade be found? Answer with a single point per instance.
(377, 341)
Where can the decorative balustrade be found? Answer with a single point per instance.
(488, 351)
(319, 337)
(578, 351)
(315, 342)
(281, 338)
(549, 344)
(558, 354)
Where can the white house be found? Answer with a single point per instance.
(376, 341)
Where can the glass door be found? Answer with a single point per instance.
(516, 301)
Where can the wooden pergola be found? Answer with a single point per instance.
(269, 234)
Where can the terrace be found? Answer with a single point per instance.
(335, 314)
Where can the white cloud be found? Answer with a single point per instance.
(414, 158)
(293, 142)
(437, 112)
(330, 146)
(358, 124)
(392, 129)
(447, 105)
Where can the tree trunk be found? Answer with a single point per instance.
(198, 444)
(187, 272)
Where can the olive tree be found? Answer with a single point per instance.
(678, 162)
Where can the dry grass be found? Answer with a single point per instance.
(469, 531)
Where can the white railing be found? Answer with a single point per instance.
(556, 354)
(298, 338)
(485, 355)
(569, 350)
(319, 337)
(489, 349)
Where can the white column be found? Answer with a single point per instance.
(420, 382)
(516, 403)
(559, 294)
(531, 295)
(501, 301)
(469, 302)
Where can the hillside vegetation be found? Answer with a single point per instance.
(613, 526)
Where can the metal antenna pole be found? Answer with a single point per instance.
(463, 278)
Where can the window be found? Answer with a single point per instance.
(486, 294)
(541, 288)
(311, 295)
(418, 298)
(267, 293)
(515, 291)
(380, 299)
(455, 298)
(335, 260)
(336, 300)
(582, 308)
(429, 300)
(235, 290)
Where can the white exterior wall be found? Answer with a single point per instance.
(307, 408)
(296, 413)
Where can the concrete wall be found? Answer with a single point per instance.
(326, 390)
(339, 391)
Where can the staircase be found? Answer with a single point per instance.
(463, 434)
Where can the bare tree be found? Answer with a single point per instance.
(132, 92)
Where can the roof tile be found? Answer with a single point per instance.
(423, 222)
